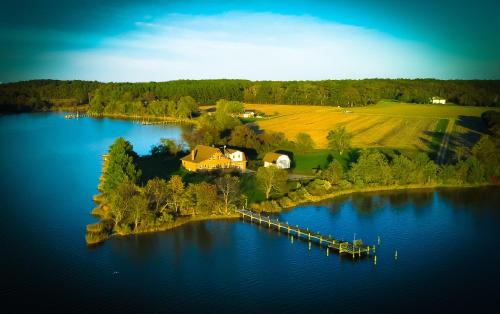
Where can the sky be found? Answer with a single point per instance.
(154, 40)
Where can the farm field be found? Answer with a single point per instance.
(386, 124)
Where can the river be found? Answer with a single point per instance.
(448, 241)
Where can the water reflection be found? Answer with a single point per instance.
(479, 200)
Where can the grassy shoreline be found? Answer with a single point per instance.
(96, 237)
(313, 199)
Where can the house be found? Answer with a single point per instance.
(281, 161)
(207, 158)
(247, 114)
(438, 100)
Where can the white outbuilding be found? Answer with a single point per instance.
(280, 161)
(438, 100)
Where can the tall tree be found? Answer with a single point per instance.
(138, 209)
(271, 179)
(372, 167)
(334, 173)
(339, 139)
(205, 194)
(121, 201)
(229, 188)
(304, 142)
(121, 165)
(186, 106)
(175, 190)
(156, 191)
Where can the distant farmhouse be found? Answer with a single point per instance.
(206, 158)
(247, 114)
(280, 161)
(438, 100)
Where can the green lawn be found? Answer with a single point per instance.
(308, 163)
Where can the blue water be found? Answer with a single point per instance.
(448, 242)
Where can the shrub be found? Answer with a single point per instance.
(285, 202)
(318, 187)
(270, 206)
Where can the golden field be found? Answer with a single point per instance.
(387, 124)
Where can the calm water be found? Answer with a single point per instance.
(448, 242)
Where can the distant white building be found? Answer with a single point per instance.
(247, 114)
(280, 161)
(438, 100)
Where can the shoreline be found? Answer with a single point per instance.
(180, 222)
(312, 199)
(99, 211)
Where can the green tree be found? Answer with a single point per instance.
(402, 168)
(229, 107)
(271, 179)
(304, 142)
(138, 209)
(158, 108)
(171, 146)
(156, 191)
(205, 195)
(487, 153)
(371, 168)
(175, 192)
(270, 141)
(121, 201)
(334, 173)
(225, 114)
(186, 106)
(243, 136)
(121, 165)
(229, 188)
(476, 170)
(339, 139)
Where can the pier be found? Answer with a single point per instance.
(354, 249)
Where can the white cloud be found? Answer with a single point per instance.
(256, 46)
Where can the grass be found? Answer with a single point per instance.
(386, 124)
(308, 163)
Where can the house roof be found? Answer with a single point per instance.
(201, 153)
(272, 157)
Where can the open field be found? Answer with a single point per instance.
(387, 124)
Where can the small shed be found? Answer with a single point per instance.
(280, 161)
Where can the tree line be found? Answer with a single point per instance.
(40, 95)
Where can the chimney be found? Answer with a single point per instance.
(193, 154)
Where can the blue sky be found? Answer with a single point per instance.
(153, 40)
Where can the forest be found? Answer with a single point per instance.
(40, 95)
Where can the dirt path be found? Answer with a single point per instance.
(443, 149)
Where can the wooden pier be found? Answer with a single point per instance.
(353, 250)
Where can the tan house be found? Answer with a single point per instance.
(280, 161)
(206, 158)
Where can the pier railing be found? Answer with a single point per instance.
(338, 246)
